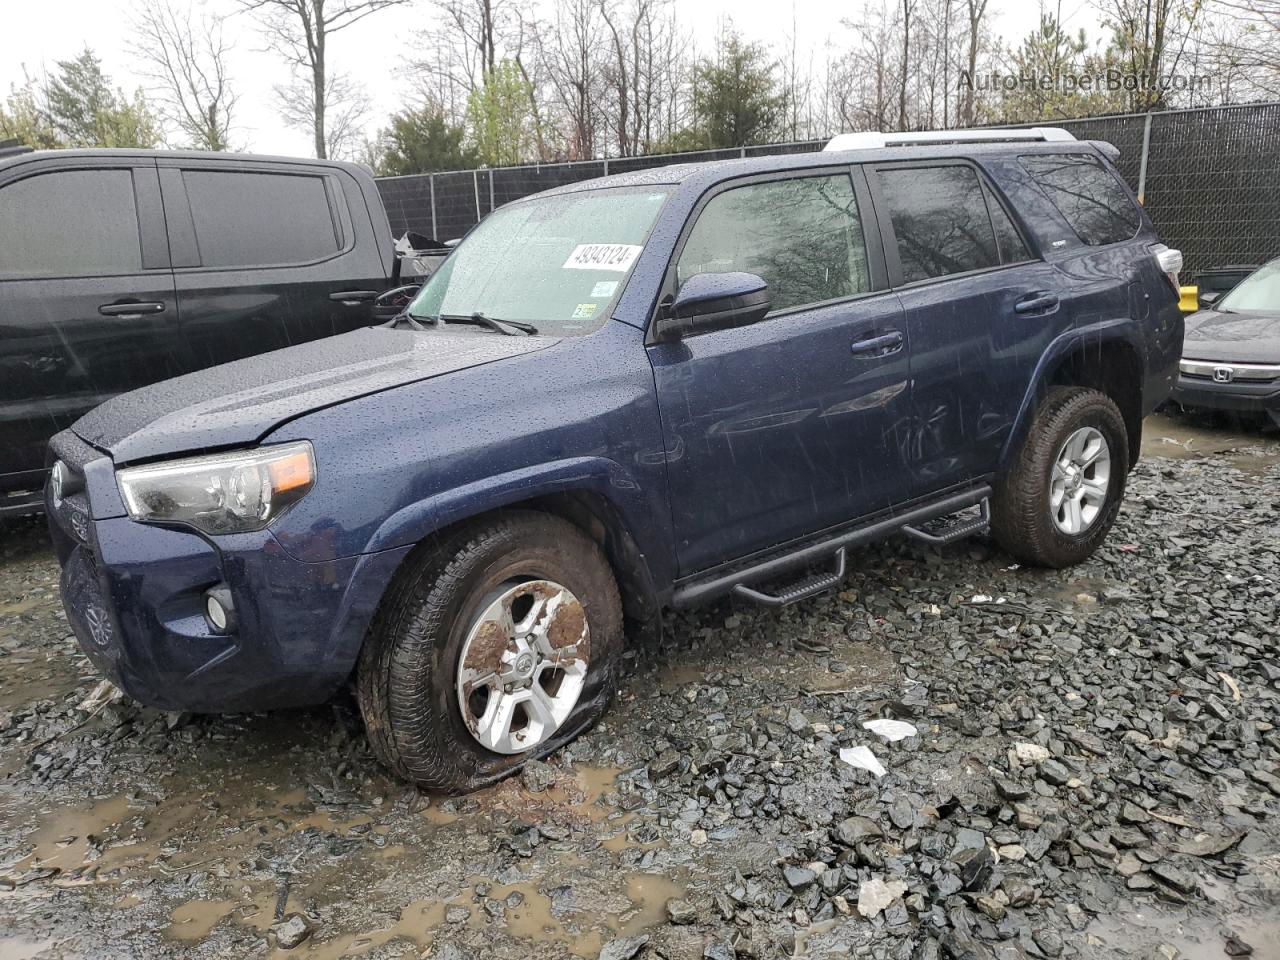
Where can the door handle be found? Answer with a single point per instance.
(130, 310)
(881, 346)
(1036, 303)
(354, 296)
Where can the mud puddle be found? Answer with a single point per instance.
(1172, 437)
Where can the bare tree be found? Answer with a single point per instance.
(1152, 36)
(797, 82)
(1246, 47)
(299, 30)
(185, 64)
(647, 62)
(346, 107)
(908, 8)
(573, 54)
(977, 9)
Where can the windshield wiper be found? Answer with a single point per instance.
(489, 323)
(404, 317)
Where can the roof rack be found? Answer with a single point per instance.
(13, 147)
(871, 140)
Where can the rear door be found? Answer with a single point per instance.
(793, 424)
(87, 305)
(980, 309)
(268, 255)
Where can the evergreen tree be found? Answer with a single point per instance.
(422, 141)
(86, 112)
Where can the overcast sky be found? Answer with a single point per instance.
(36, 35)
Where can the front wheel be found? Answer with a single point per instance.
(497, 646)
(1061, 495)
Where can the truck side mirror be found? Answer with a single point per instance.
(715, 301)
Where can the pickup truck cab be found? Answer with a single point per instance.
(634, 393)
(119, 268)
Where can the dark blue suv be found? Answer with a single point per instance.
(618, 396)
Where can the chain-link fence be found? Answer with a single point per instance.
(1209, 178)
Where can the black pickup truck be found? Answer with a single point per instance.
(119, 268)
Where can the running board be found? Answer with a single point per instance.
(737, 578)
(800, 590)
(954, 530)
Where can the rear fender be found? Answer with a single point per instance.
(1095, 336)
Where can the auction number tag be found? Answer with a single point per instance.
(603, 256)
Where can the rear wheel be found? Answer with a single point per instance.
(1060, 497)
(499, 645)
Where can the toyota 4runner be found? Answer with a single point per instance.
(633, 393)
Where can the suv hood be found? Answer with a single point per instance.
(1233, 337)
(238, 403)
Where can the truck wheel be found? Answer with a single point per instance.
(1059, 498)
(499, 645)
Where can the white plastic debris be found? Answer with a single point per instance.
(863, 759)
(104, 693)
(891, 730)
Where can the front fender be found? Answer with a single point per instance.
(412, 523)
(1094, 336)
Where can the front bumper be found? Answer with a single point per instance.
(134, 593)
(1199, 393)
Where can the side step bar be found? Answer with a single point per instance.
(712, 585)
(955, 530)
(800, 590)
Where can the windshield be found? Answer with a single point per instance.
(556, 262)
(1260, 292)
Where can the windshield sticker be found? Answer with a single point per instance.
(604, 289)
(584, 311)
(603, 256)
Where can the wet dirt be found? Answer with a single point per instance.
(173, 836)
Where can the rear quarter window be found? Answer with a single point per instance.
(1088, 195)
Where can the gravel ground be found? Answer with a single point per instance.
(1095, 772)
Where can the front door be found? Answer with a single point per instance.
(87, 307)
(796, 423)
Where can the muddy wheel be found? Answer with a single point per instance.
(494, 647)
(1059, 498)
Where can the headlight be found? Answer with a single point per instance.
(222, 493)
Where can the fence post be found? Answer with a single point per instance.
(606, 166)
(1142, 164)
(435, 235)
(491, 189)
(475, 185)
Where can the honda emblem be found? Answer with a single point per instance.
(1223, 374)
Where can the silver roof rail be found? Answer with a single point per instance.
(872, 140)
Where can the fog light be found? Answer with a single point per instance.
(219, 610)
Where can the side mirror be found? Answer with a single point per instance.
(1209, 297)
(716, 301)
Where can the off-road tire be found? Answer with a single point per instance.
(1020, 517)
(406, 676)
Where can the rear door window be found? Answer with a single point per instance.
(70, 223)
(1088, 195)
(940, 220)
(803, 236)
(1009, 242)
(249, 219)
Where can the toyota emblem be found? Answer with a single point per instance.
(1223, 374)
